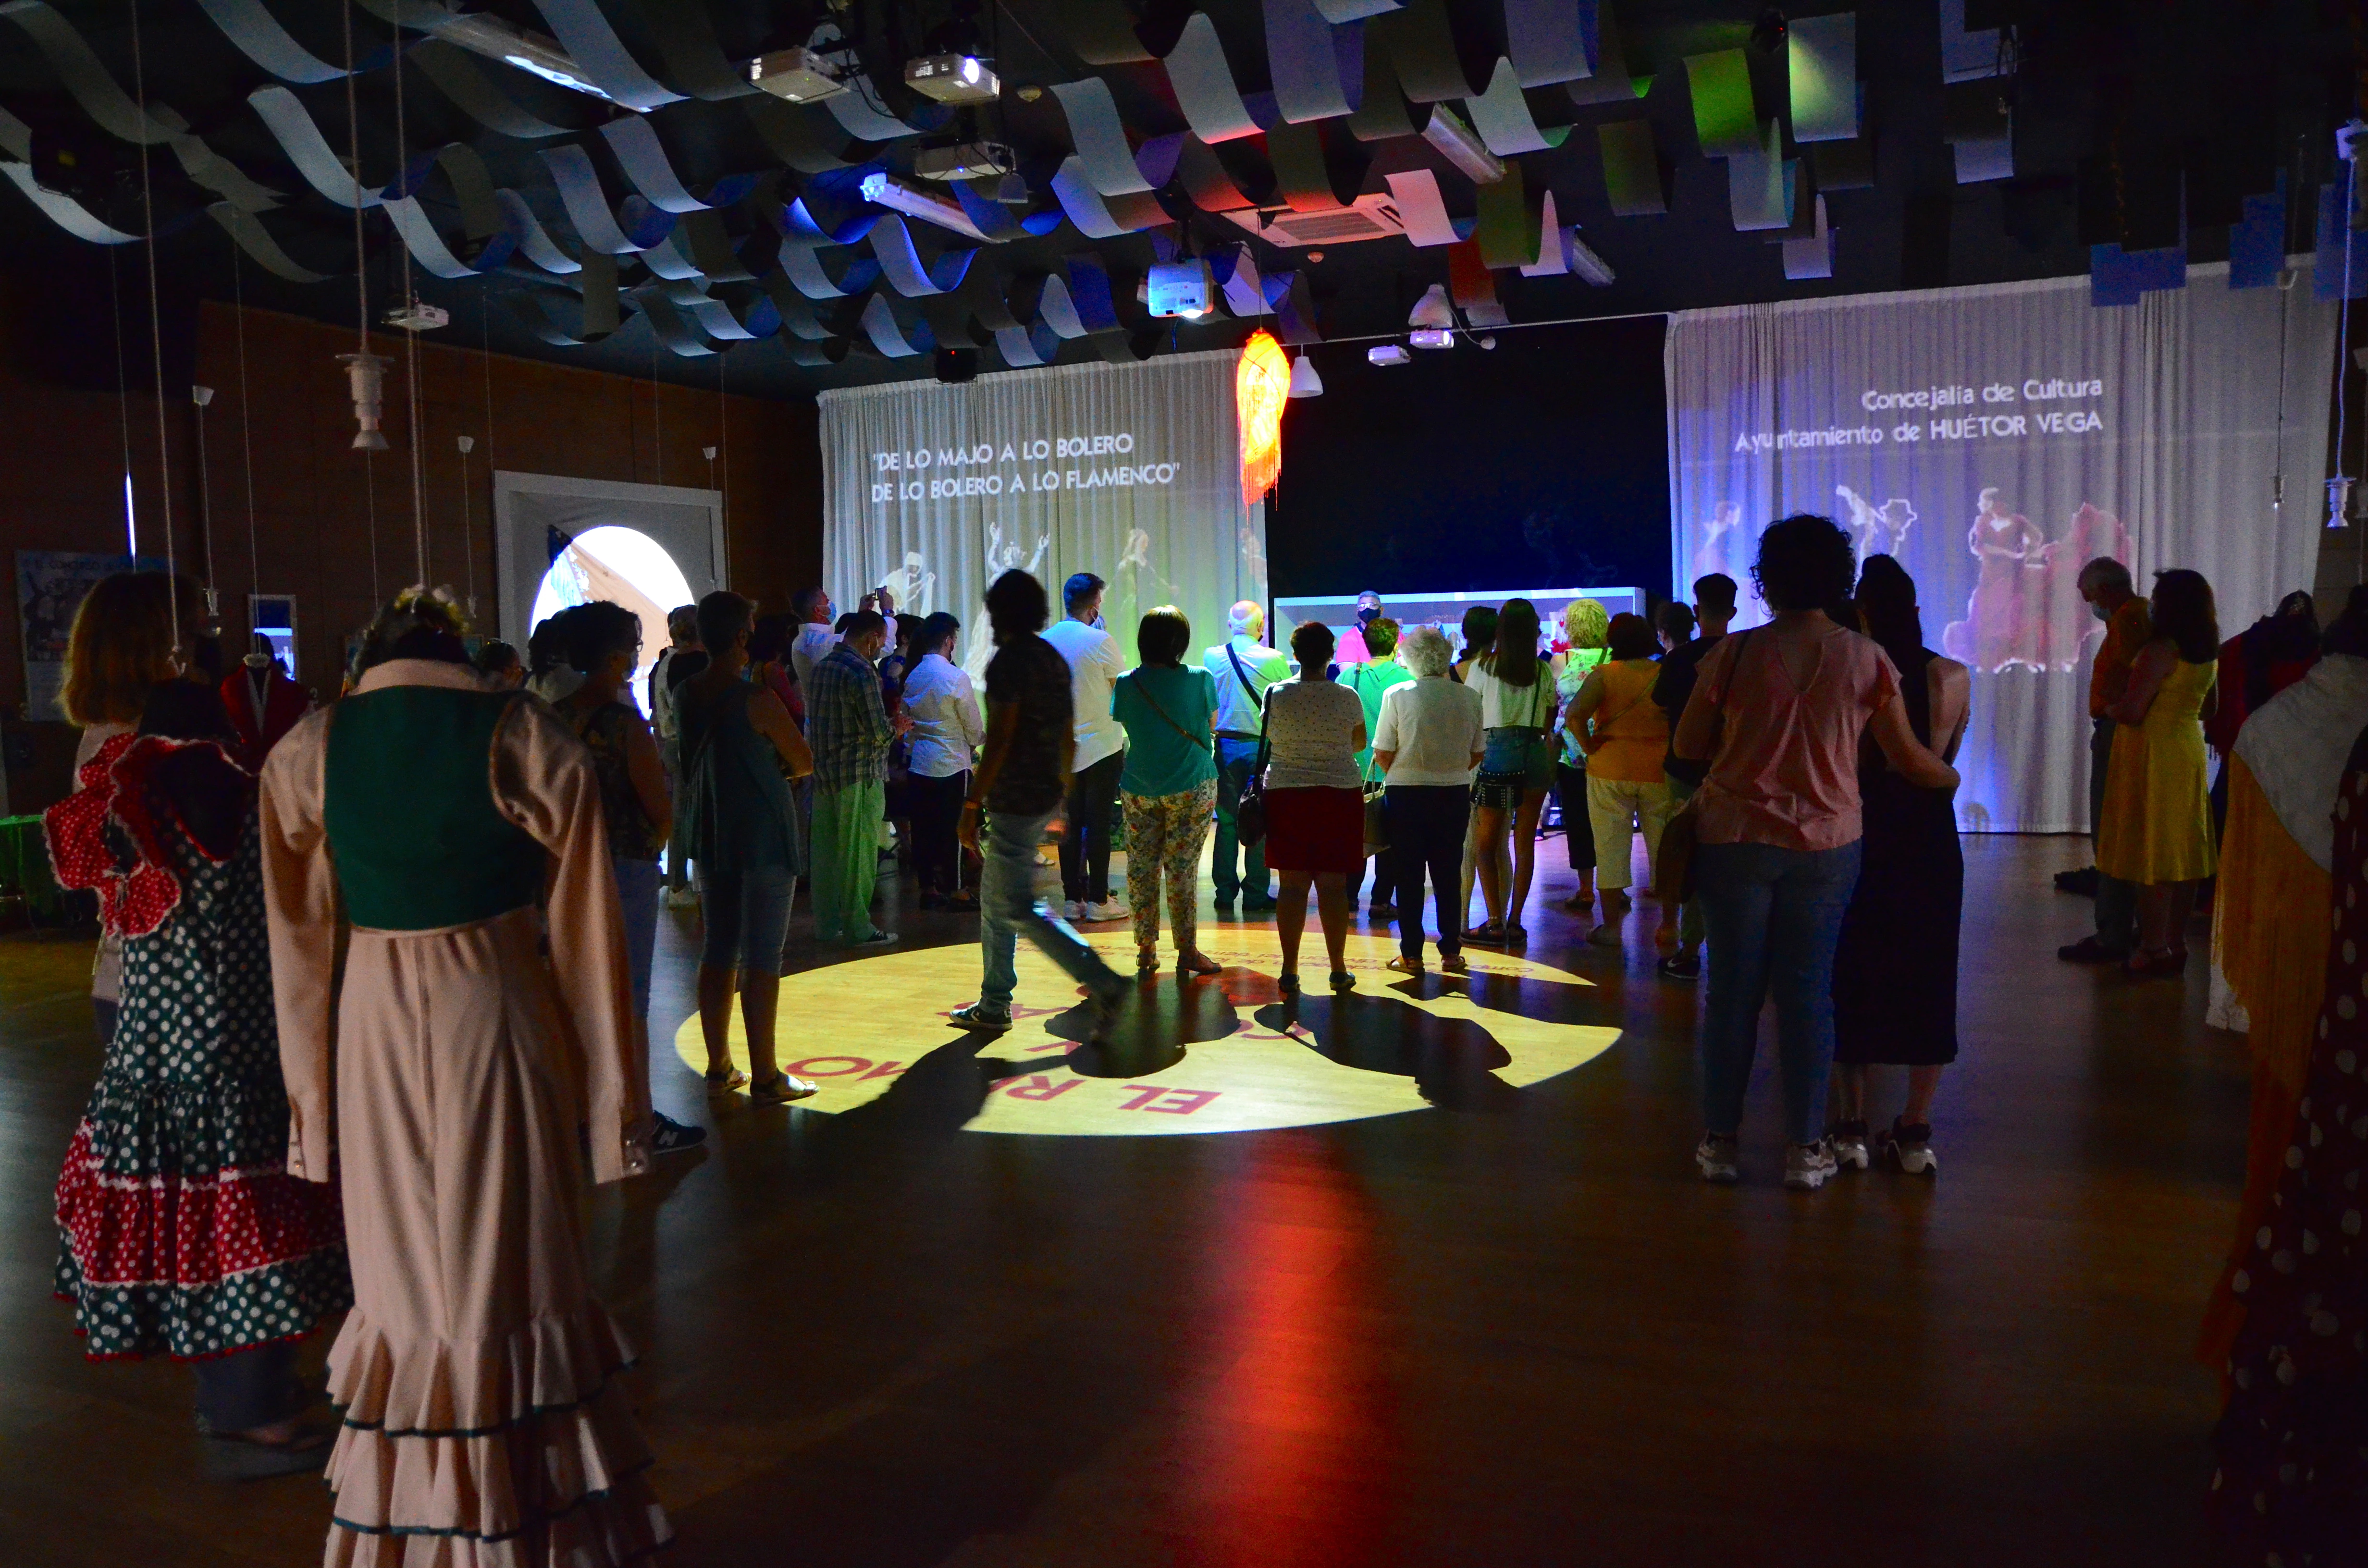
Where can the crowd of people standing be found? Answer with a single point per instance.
(311, 917)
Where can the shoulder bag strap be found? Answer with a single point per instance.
(1145, 692)
(1257, 696)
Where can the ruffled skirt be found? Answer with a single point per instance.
(487, 1422)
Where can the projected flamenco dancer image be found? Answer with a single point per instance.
(1876, 530)
(2025, 609)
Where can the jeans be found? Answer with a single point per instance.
(1244, 876)
(1386, 877)
(637, 899)
(1690, 913)
(1007, 905)
(1092, 808)
(937, 820)
(249, 1388)
(1775, 915)
(1427, 824)
(2117, 900)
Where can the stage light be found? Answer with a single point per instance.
(1261, 386)
(1388, 354)
(969, 160)
(887, 190)
(1432, 310)
(1304, 381)
(953, 79)
(799, 76)
(1462, 146)
(1178, 289)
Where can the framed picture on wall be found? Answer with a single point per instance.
(51, 585)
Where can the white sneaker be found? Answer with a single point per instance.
(1910, 1148)
(1848, 1142)
(1072, 911)
(1808, 1167)
(1716, 1156)
(1107, 909)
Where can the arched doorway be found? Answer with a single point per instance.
(624, 566)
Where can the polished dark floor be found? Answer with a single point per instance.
(1511, 1328)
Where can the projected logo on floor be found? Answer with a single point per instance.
(1219, 1054)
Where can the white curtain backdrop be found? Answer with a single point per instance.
(1132, 472)
(1994, 439)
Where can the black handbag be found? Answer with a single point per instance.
(1249, 811)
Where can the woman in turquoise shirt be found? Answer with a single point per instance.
(1169, 788)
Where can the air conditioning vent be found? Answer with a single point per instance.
(1372, 218)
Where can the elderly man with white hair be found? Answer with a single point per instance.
(1243, 667)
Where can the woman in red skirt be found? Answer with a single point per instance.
(1315, 801)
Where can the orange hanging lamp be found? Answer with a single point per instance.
(1261, 387)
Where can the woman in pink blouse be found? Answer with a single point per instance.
(1777, 712)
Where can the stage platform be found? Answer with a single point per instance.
(1423, 1276)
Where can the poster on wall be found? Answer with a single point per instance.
(1995, 440)
(1130, 472)
(50, 585)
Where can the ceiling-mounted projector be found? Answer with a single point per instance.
(418, 316)
(953, 79)
(1388, 354)
(969, 160)
(1178, 289)
(800, 76)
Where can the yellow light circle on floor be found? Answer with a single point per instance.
(856, 1029)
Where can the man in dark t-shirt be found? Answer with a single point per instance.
(1017, 791)
(1673, 689)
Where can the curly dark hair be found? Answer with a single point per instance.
(1806, 563)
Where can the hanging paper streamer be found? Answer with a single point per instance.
(255, 240)
(459, 76)
(635, 144)
(600, 315)
(801, 135)
(1319, 70)
(1204, 84)
(533, 240)
(1099, 138)
(259, 36)
(1508, 230)
(2117, 277)
(1632, 168)
(588, 205)
(1844, 166)
(2256, 247)
(1821, 72)
(1811, 255)
(1610, 83)
(1420, 207)
(1098, 217)
(1757, 186)
(594, 45)
(1421, 44)
(1550, 40)
(1723, 122)
(1473, 286)
(1294, 307)
(1261, 389)
(1311, 174)
(901, 263)
(1502, 116)
(816, 279)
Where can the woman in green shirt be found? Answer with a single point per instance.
(1169, 788)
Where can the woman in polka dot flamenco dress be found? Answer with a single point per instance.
(2292, 1487)
(180, 1230)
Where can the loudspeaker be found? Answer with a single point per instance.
(955, 366)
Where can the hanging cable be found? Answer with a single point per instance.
(123, 408)
(657, 421)
(723, 423)
(468, 525)
(155, 328)
(354, 155)
(246, 438)
(485, 341)
(201, 396)
(370, 516)
(411, 303)
(2344, 478)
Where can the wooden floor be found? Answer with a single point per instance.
(1502, 1328)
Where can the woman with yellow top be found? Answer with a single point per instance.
(1585, 626)
(1624, 733)
(2158, 826)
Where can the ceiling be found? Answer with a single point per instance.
(2071, 124)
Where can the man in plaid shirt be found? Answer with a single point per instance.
(848, 729)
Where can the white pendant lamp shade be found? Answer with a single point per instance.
(1304, 381)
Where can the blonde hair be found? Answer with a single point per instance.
(122, 645)
(1586, 624)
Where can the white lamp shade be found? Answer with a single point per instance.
(1432, 310)
(1304, 381)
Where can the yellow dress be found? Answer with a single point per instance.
(2158, 826)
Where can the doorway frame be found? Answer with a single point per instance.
(522, 560)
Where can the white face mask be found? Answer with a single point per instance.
(2101, 612)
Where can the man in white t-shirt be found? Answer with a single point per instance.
(1095, 663)
(816, 639)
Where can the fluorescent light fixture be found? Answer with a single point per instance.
(1431, 337)
(1591, 267)
(130, 520)
(799, 76)
(1432, 310)
(552, 73)
(953, 79)
(1304, 381)
(1462, 146)
(1388, 354)
(887, 190)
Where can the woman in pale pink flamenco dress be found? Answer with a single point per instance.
(1995, 633)
(443, 1063)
